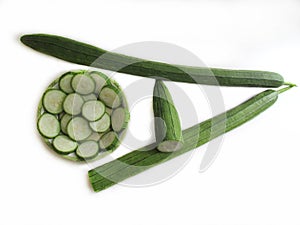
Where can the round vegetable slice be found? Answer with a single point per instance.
(78, 129)
(73, 104)
(101, 125)
(95, 136)
(65, 83)
(48, 125)
(93, 110)
(64, 122)
(100, 80)
(110, 96)
(87, 150)
(89, 97)
(83, 84)
(64, 145)
(109, 141)
(53, 101)
(119, 119)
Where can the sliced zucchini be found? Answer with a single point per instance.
(87, 150)
(110, 96)
(100, 80)
(48, 125)
(83, 84)
(93, 110)
(73, 104)
(64, 123)
(89, 97)
(64, 145)
(108, 111)
(102, 124)
(78, 129)
(53, 101)
(94, 136)
(119, 119)
(109, 141)
(65, 83)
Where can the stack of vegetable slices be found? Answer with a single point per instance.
(82, 115)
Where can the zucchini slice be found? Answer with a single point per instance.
(108, 111)
(64, 83)
(119, 119)
(89, 97)
(73, 104)
(64, 123)
(94, 137)
(64, 145)
(99, 79)
(78, 129)
(53, 101)
(83, 84)
(109, 141)
(110, 96)
(48, 125)
(87, 150)
(93, 110)
(101, 125)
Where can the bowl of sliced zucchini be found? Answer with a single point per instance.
(83, 115)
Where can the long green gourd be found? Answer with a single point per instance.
(84, 54)
(168, 130)
(144, 158)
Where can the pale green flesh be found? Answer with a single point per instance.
(64, 144)
(65, 83)
(83, 84)
(109, 141)
(64, 122)
(102, 124)
(108, 111)
(53, 101)
(118, 119)
(110, 97)
(94, 137)
(73, 104)
(48, 125)
(87, 150)
(169, 146)
(93, 110)
(89, 97)
(78, 129)
(100, 81)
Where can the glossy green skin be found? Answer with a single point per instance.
(167, 124)
(84, 54)
(144, 158)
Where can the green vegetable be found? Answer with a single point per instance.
(83, 84)
(93, 110)
(167, 123)
(110, 95)
(67, 119)
(87, 150)
(78, 129)
(109, 141)
(48, 125)
(53, 101)
(73, 104)
(101, 125)
(144, 158)
(84, 54)
(64, 145)
(119, 119)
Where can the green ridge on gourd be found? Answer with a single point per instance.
(85, 54)
(167, 123)
(144, 158)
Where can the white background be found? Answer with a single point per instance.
(255, 179)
